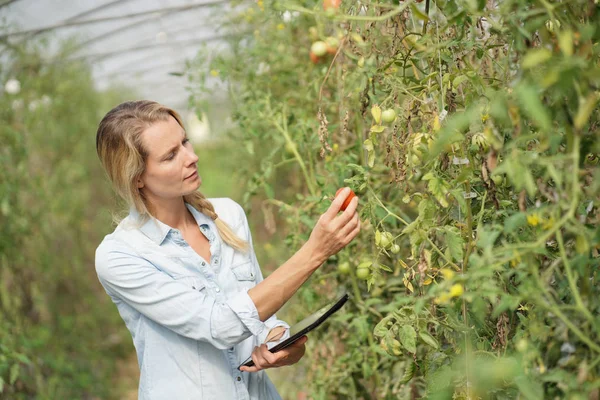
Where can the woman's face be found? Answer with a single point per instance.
(171, 169)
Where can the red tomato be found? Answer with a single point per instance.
(335, 4)
(348, 199)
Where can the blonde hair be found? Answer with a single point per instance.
(123, 156)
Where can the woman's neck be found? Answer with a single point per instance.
(173, 213)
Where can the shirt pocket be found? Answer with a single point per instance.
(192, 281)
(244, 271)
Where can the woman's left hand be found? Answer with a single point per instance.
(264, 359)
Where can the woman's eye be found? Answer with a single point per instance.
(170, 156)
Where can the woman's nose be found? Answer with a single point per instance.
(192, 157)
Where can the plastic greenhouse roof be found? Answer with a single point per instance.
(137, 42)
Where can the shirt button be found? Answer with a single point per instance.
(231, 349)
(239, 378)
(203, 263)
(217, 290)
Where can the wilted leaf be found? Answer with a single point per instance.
(430, 340)
(376, 113)
(455, 243)
(408, 338)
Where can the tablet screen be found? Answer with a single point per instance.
(311, 319)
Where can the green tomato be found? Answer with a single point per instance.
(388, 116)
(522, 345)
(497, 179)
(473, 149)
(363, 273)
(289, 148)
(319, 48)
(344, 267)
(386, 240)
(395, 248)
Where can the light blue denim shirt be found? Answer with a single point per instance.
(191, 320)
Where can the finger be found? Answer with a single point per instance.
(345, 217)
(258, 360)
(336, 204)
(349, 227)
(254, 368)
(267, 355)
(352, 234)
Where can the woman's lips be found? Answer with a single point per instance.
(192, 175)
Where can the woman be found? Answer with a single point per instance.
(182, 271)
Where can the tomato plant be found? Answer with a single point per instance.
(479, 251)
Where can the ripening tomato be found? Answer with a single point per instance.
(314, 58)
(319, 48)
(348, 199)
(334, 4)
(332, 44)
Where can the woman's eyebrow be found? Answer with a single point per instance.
(174, 147)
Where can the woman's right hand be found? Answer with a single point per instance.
(332, 231)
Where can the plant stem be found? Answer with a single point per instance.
(571, 279)
(286, 135)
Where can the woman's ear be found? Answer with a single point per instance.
(140, 184)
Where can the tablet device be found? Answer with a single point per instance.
(303, 327)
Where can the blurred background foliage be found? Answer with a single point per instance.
(60, 335)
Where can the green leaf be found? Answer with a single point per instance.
(515, 222)
(418, 13)
(554, 174)
(455, 243)
(530, 389)
(381, 329)
(535, 57)
(459, 79)
(408, 338)
(460, 199)
(377, 128)
(586, 107)
(452, 130)
(565, 42)
(532, 106)
(438, 189)
(14, 374)
(487, 237)
(269, 191)
(430, 340)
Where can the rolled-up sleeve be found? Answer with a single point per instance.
(272, 321)
(173, 304)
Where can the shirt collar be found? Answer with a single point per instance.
(158, 231)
